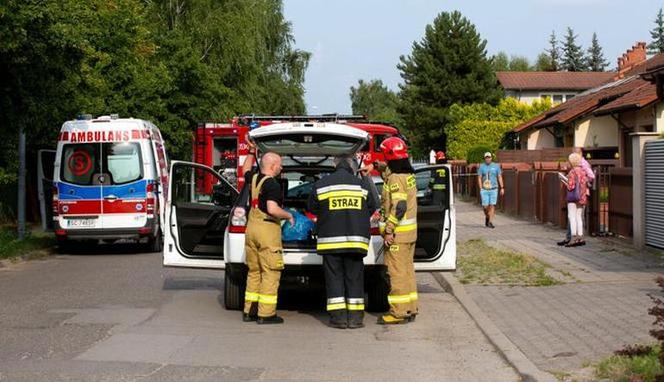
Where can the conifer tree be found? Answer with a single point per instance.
(573, 60)
(449, 65)
(595, 60)
(657, 34)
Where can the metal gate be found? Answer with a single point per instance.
(598, 211)
(654, 193)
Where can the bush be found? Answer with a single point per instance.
(639, 366)
(476, 153)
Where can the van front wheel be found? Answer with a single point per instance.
(156, 244)
(233, 289)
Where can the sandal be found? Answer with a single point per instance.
(574, 243)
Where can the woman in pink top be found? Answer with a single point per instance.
(577, 198)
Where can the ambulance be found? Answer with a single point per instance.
(110, 178)
(206, 227)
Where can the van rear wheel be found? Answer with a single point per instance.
(377, 287)
(233, 289)
(64, 246)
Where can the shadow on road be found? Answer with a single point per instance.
(93, 248)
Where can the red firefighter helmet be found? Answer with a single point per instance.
(394, 148)
(440, 155)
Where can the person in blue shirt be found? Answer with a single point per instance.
(490, 180)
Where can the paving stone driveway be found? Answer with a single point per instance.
(601, 307)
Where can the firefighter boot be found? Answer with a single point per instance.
(338, 319)
(270, 320)
(389, 319)
(355, 319)
(252, 315)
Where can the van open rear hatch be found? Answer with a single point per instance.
(317, 139)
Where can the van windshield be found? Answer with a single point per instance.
(82, 163)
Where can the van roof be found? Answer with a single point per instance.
(104, 123)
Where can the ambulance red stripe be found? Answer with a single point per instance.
(91, 207)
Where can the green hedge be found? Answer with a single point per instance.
(476, 153)
(482, 124)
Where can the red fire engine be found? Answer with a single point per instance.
(223, 146)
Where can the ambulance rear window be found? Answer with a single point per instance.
(80, 162)
(122, 160)
(120, 163)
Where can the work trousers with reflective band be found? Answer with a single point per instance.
(344, 282)
(264, 254)
(403, 285)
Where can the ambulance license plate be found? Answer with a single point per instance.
(82, 222)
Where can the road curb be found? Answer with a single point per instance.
(510, 352)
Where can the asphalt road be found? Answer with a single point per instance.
(121, 316)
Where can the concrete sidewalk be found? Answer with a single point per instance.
(601, 307)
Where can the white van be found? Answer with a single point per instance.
(110, 178)
(206, 229)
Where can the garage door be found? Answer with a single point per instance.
(654, 190)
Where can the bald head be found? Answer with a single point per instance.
(271, 164)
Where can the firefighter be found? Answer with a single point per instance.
(399, 228)
(263, 246)
(343, 205)
(438, 185)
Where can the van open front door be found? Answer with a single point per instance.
(196, 216)
(436, 236)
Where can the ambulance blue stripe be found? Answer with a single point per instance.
(134, 190)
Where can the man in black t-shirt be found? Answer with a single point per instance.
(271, 189)
(263, 248)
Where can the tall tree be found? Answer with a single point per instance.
(657, 35)
(543, 63)
(519, 64)
(449, 65)
(174, 62)
(553, 52)
(573, 60)
(375, 101)
(500, 62)
(595, 60)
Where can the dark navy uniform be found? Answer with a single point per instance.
(343, 204)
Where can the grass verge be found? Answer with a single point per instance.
(480, 263)
(35, 245)
(641, 365)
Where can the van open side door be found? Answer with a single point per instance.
(196, 216)
(436, 226)
(45, 164)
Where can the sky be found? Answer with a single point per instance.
(363, 39)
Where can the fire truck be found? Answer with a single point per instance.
(223, 146)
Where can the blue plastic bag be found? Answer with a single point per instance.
(298, 232)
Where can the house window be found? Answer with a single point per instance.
(556, 98)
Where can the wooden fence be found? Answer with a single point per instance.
(534, 192)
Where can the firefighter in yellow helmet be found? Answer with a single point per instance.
(263, 245)
(399, 228)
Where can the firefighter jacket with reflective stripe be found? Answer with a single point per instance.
(399, 207)
(343, 204)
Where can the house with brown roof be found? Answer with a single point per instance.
(559, 87)
(563, 86)
(601, 119)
